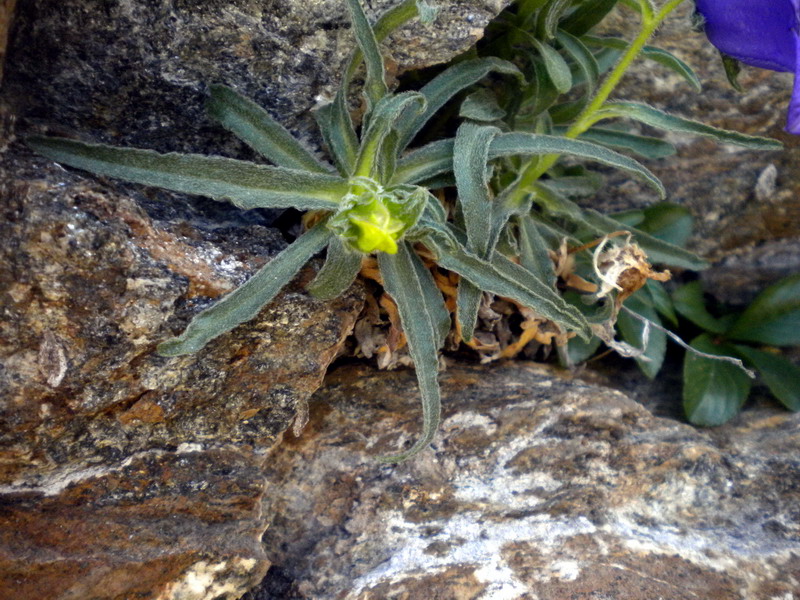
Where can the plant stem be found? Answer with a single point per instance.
(591, 114)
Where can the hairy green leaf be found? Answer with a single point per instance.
(586, 16)
(583, 58)
(481, 106)
(245, 184)
(534, 255)
(338, 273)
(502, 277)
(713, 390)
(557, 68)
(251, 123)
(641, 145)
(446, 85)
(773, 317)
(245, 302)
(431, 160)
(662, 57)
(402, 282)
(656, 118)
(375, 85)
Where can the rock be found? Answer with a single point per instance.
(745, 203)
(136, 73)
(123, 472)
(538, 486)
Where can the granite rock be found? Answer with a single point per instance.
(123, 472)
(538, 486)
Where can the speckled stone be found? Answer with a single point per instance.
(537, 486)
(122, 473)
(745, 202)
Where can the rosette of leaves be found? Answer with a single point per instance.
(371, 201)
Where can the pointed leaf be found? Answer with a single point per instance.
(337, 131)
(587, 15)
(713, 391)
(481, 106)
(505, 278)
(383, 120)
(781, 376)
(773, 317)
(583, 57)
(689, 303)
(246, 301)
(534, 254)
(375, 84)
(659, 55)
(426, 162)
(447, 84)
(661, 301)
(251, 123)
(656, 118)
(641, 145)
(338, 273)
(557, 68)
(245, 184)
(528, 144)
(401, 281)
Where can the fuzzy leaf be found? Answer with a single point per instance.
(402, 282)
(659, 55)
(338, 133)
(583, 57)
(245, 184)
(781, 376)
(375, 84)
(338, 273)
(528, 144)
(534, 254)
(426, 162)
(502, 277)
(384, 119)
(773, 317)
(713, 391)
(586, 16)
(481, 106)
(641, 145)
(656, 118)
(446, 85)
(251, 123)
(555, 65)
(246, 301)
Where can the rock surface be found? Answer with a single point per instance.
(537, 487)
(745, 202)
(122, 472)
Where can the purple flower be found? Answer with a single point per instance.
(762, 33)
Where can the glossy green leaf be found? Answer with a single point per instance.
(689, 302)
(781, 376)
(656, 118)
(246, 301)
(402, 282)
(632, 331)
(338, 273)
(251, 123)
(669, 222)
(713, 391)
(773, 318)
(446, 85)
(661, 300)
(245, 184)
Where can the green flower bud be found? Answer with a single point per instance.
(373, 219)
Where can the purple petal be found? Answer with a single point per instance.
(793, 121)
(762, 33)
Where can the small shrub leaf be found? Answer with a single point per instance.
(713, 391)
(773, 318)
(632, 331)
(781, 376)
